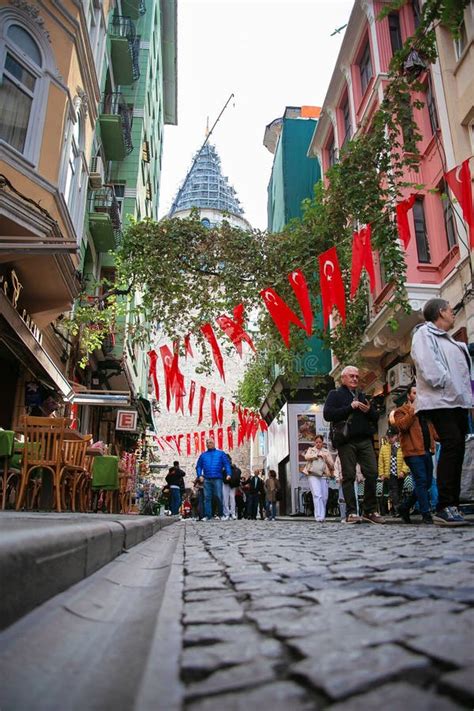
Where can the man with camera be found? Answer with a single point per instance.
(353, 422)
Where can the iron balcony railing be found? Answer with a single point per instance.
(115, 104)
(125, 27)
(142, 8)
(104, 200)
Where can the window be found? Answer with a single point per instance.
(332, 152)
(18, 86)
(395, 32)
(415, 5)
(119, 190)
(431, 104)
(422, 245)
(448, 213)
(346, 114)
(365, 68)
(460, 42)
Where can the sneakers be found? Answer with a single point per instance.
(373, 517)
(224, 518)
(449, 516)
(204, 519)
(353, 518)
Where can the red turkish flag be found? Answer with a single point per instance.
(281, 313)
(332, 287)
(220, 438)
(211, 435)
(203, 440)
(362, 258)
(210, 336)
(402, 209)
(233, 328)
(197, 447)
(187, 346)
(459, 180)
(230, 438)
(263, 426)
(214, 419)
(188, 444)
(174, 379)
(202, 395)
(192, 390)
(153, 356)
(220, 412)
(177, 440)
(158, 441)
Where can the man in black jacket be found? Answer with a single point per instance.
(255, 488)
(341, 404)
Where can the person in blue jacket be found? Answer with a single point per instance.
(211, 466)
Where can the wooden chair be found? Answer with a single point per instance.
(44, 439)
(74, 470)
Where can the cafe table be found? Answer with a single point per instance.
(7, 438)
(105, 477)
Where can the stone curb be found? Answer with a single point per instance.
(43, 554)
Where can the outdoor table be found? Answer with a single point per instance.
(7, 438)
(105, 472)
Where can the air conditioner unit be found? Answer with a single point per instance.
(399, 377)
(96, 176)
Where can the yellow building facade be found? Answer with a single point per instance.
(51, 57)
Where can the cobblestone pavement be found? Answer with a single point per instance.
(296, 615)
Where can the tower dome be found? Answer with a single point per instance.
(208, 190)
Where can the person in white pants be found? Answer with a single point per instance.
(319, 468)
(228, 500)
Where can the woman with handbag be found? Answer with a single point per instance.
(319, 468)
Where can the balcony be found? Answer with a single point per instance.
(124, 48)
(116, 127)
(105, 223)
(133, 8)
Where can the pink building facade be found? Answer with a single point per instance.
(438, 249)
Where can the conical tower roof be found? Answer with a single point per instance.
(206, 187)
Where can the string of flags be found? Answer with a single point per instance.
(332, 297)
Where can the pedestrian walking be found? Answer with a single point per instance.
(229, 487)
(353, 422)
(392, 468)
(444, 396)
(209, 468)
(272, 490)
(255, 488)
(319, 468)
(417, 441)
(175, 481)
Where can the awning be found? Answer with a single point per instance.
(104, 398)
(18, 338)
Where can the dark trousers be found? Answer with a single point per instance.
(359, 451)
(421, 467)
(395, 488)
(452, 425)
(252, 505)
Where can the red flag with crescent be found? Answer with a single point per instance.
(174, 379)
(332, 287)
(196, 443)
(202, 438)
(202, 395)
(153, 356)
(233, 328)
(402, 210)
(362, 258)
(188, 444)
(281, 313)
(214, 420)
(210, 336)
(459, 180)
(187, 346)
(230, 438)
(220, 438)
(192, 391)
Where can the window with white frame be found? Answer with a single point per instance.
(365, 68)
(21, 73)
(460, 42)
(74, 181)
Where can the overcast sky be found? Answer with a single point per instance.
(270, 54)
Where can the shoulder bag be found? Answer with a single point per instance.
(340, 432)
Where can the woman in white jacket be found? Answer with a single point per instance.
(319, 468)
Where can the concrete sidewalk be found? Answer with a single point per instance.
(42, 554)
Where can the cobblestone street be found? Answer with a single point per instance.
(300, 615)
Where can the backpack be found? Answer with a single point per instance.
(235, 477)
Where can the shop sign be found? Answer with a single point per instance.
(126, 420)
(11, 287)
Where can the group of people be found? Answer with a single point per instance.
(437, 407)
